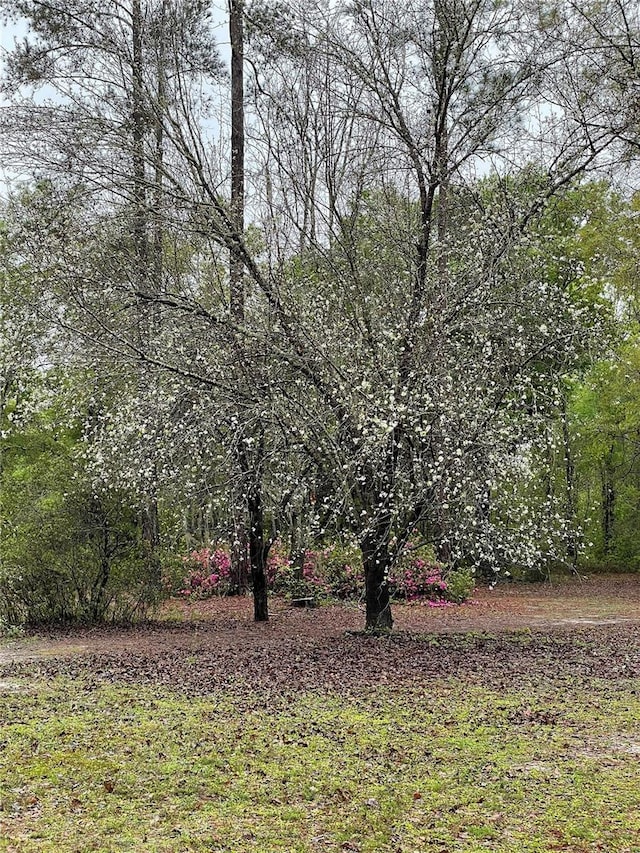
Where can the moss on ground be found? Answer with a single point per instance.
(438, 767)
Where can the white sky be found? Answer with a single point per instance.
(8, 33)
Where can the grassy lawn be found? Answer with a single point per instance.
(443, 765)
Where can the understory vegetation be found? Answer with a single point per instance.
(340, 310)
(335, 572)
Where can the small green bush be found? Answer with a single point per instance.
(460, 585)
(68, 554)
(80, 560)
(9, 630)
(341, 567)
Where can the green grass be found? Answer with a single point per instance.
(439, 768)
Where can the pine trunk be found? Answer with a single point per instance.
(241, 543)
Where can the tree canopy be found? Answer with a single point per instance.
(352, 290)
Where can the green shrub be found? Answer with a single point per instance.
(460, 585)
(10, 630)
(67, 553)
(341, 567)
(80, 559)
(295, 578)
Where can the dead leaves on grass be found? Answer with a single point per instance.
(203, 663)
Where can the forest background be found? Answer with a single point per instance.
(357, 316)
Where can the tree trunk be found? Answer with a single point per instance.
(239, 567)
(158, 187)
(100, 520)
(570, 482)
(240, 561)
(150, 525)
(236, 37)
(149, 514)
(258, 553)
(608, 505)
(375, 558)
(140, 241)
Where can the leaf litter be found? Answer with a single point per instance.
(506, 636)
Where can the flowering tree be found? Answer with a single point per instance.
(403, 334)
(422, 325)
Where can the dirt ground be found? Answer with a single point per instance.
(574, 628)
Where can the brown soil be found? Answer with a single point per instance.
(573, 629)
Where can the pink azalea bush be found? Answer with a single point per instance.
(312, 573)
(278, 564)
(296, 581)
(419, 579)
(335, 571)
(209, 573)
